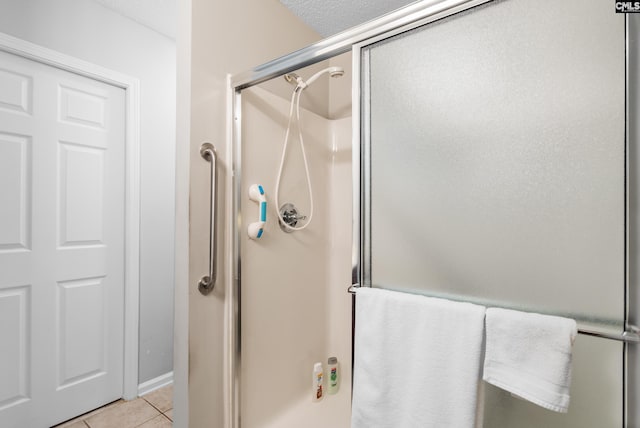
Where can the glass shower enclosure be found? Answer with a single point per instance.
(494, 161)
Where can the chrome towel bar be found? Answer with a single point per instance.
(631, 335)
(207, 282)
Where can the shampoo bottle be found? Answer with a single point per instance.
(334, 375)
(318, 376)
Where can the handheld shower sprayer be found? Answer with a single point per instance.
(295, 101)
(333, 72)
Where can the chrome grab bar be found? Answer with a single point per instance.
(207, 282)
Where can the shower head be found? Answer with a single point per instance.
(333, 72)
(336, 71)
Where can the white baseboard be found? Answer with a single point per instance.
(155, 383)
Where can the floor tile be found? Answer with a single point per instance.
(127, 414)
(157, 422)
(75, 423)
(169, 414)
(100, 409)
(161, 399)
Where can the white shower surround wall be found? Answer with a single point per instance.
(295, 308)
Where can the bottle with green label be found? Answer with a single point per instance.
(334, 375)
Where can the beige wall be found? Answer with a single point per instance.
(215, 39)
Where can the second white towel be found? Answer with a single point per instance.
(529, 355)
(417, 361)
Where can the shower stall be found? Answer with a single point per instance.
(293, 310)
(480, 151)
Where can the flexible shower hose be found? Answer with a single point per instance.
(295, 100)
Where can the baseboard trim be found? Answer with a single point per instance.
(155, 383)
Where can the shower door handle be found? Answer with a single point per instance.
(207, 282)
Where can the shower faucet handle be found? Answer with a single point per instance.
(290, 216)
(293, 217)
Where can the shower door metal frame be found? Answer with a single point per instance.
(356, 40)
(630, 335)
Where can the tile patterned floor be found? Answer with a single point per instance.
(154, 410)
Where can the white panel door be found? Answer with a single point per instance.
(61, 243)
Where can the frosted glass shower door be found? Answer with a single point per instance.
(498, 157)
(495, 172)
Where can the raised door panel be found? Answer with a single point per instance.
(15, 337)
(15, 91)
(81, 327)
(80, 107)
(81, 196)
(15, 192)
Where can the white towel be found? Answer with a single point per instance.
(529, 355)
(417, 361)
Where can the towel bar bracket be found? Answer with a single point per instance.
(632, 335)
(629, 336)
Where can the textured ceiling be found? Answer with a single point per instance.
(329, 17)
(159, 15)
